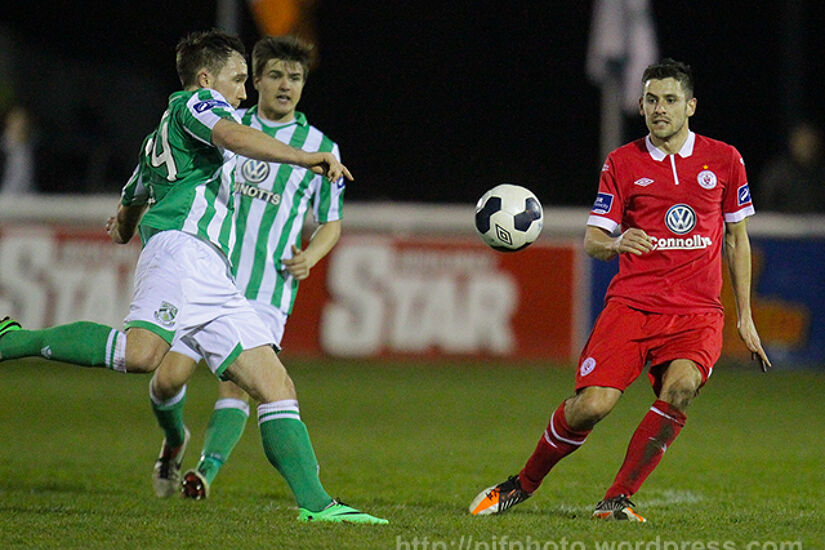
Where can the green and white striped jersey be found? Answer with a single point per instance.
(185, 179)
(271, 202)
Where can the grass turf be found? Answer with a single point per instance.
(413, 442)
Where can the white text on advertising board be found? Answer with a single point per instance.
(409, 301)
(45, 281)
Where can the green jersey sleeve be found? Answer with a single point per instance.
(136, 190)
(203, 110)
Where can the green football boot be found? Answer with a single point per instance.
(7, 324)
(338, 512)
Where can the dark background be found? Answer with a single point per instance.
(430, 102)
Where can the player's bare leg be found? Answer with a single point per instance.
(680, 383)
(656, 432)
(230, 390)
(261, 374)
(144, 350)
(591, 404)
(171, 377)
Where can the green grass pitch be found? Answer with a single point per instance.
(413, 442)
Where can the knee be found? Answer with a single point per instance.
(142, 360)
(262, 375)
(144, 350)
(589, 406)
(679, 395)
(680, 384)
(165, 385)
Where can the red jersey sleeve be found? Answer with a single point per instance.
(608, 208)
(736, 203)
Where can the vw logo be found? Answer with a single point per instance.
(680, 219)
(254, 171)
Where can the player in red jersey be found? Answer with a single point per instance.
(675, 196)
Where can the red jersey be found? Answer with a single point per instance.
(681, 201)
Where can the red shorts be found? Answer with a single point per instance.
(624, 340)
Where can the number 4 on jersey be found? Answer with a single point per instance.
(165, 157)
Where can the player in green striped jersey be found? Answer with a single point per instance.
(271, 202)
(184, 294)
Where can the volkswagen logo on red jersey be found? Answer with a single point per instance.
(680, 219)
(254, 171)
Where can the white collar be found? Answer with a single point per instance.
(684, 152)
(272, 124)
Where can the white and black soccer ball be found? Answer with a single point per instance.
(509, 217)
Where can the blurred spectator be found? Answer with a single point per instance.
(17, 146)
(795, 181)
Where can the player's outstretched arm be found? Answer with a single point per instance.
(738, 254)
(599, 244)
(121, 227)
(253, 143)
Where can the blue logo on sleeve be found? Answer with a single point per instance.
(604, 201)
(744, 195)
(209, 104)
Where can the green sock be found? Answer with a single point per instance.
(226, 426)
(83, 343)
(288, 448)
(169, 415)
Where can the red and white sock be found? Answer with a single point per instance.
(558, 441)
(655, 433)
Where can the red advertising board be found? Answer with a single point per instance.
(53, 274)
(382, 296)
(374, 296)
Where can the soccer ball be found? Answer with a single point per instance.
(509, 217)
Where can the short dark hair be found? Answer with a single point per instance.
(669, 68)
(285, 48)
(204, 49)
